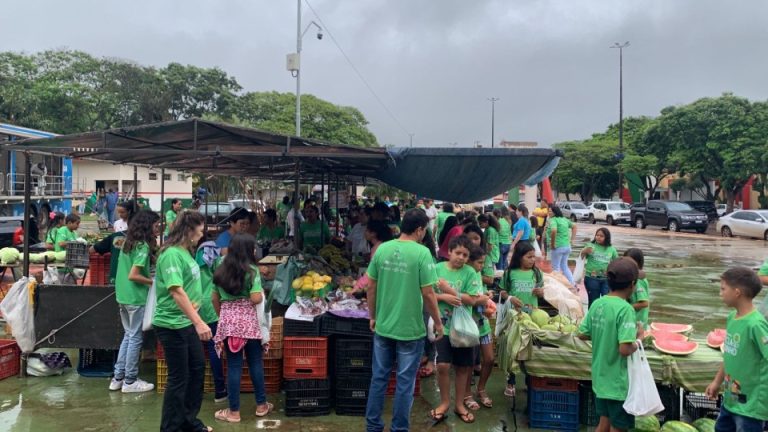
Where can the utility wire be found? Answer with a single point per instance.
(354, 68)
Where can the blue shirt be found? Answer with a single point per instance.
(223, 240)
(111, 200)
(522, 225)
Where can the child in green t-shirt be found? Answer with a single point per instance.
(477, 260)
(56, 223)
(459, 287)
(745, 356)
(67, 232)
(641, 298)
(599, 253)
(610, 324)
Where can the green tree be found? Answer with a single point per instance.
(588, 168)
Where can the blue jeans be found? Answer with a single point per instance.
(254, 354)
(730, 422)
(127, 365)
(596, 288)
(386, 352)
(220, 388)
(504, 251)
(560, 262)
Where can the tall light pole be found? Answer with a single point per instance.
(621, 47)
(493, 119)
(411, 136)
(294, 61)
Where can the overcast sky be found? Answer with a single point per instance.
(434, 63)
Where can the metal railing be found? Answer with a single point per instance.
(41, 185)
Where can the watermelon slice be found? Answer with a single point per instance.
(671, 328)
(675, 347)
(716, 338)
(668, 336)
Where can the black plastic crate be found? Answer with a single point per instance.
(96, 363)
(302, 328)
(351, 395)
(587, 408)
(334, 325)
(309, 397)
(670, 398)
(353, 410)
(354, 357)
(77, 255)
(698, 405)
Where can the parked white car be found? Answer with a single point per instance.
(610, 212)
(574, 210)
(722, 209)
(746, 223)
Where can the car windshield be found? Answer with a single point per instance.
(578, 206)
(618, 206)
(764, 214)
(211, 208)
(678, 206)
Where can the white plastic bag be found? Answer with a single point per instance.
(502, 311)
(265, 321)
(464, 331)
(51, 276)
(537, 249)
(431, 330)
(17, 310)
(149, 309)
(643, 397)
(578, 272)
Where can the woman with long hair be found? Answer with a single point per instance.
(451, 229)
(131, 288)
(178, 325)
(125, 211)
(505, 236)
(238, 292)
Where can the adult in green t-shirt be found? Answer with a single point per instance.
(743, 376)
(401, 279)
(599, 253)
(561, 233)
(178, 324)
(283, 207)
(445, 212)
(171, 215)
(491, 227)
(207, 256)
(270, 230)
(239, 300)
(313, 232)
(505, 235)
(610, 324)
(131, 287)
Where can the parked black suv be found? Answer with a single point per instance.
(674, 215)
(707, 207)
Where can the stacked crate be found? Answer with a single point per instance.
(162, 370)
(553, 403)
(273, 359)
(305, 369)
(353, 369)
(99, 268)
(670, 398)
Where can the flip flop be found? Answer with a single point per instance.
(467, 417)
(223, 415)
(437, 417)
(484, 399)
(270, 407)
(471, 404)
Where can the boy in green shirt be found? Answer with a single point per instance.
(641, 298)
(745, 356)
(610, 324)
(67, 232)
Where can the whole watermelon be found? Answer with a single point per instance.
(677, 426)
(704, 425)
(647, 424)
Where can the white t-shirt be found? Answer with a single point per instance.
(120, 225)
(289, 221)
(357, 238)
(432, 215)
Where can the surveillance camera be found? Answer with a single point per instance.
(319, 35)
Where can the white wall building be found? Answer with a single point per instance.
(90, 176)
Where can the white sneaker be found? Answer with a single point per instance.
(138, 386)
(115, 384)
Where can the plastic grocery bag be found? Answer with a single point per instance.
(149, 309)
(51, 276)
(17, 310)
(284, 276)
(643, 397)
(464, 331)
(502, 312)
(578, 272)
(264, 312)
(537, 249)
(431, 330)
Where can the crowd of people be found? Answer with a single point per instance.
(422, 268)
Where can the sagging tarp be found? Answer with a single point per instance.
(465, 175)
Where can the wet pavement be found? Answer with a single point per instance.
(683, 271)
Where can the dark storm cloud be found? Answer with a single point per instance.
(435, 63)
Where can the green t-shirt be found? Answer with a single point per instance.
(252, 286)
(267, 234)
(532, 235)
(401, 269)
(547, 235)
(207, 311)
(763, 269)
(520, 283)
(170, 218)
(609, 322)
(482, 322)
(441, 217)
(282, 210)
(598, 260)
(641, 294)
(176, 268)
(563, 234)
(464, 280)
(311, 232)
(128, 292)
(50, 236)
(505, 232)
(489, 268)
(745, 358)
(492, 237)
(63, 234)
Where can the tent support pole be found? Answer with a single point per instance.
(136, 183)
(162, 200)
(296, 220)
(338, 218)
(27, 208)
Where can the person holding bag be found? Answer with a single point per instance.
(610, 324)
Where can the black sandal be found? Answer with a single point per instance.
(437, 417)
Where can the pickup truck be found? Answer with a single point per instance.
(673, 215)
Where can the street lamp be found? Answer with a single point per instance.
(493, 118)
(620, 157)
(294, 61)
(411, 136)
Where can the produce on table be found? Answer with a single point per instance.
(283, 246)
(529, 324)
(312, 284)
(671, 328)
(704, 425)
(676, 426)
(540, 317)
(335, 258)
(51, 255)
(667, 336)
(60, 256)
(647, 424)
(674, 347)
(37, 258)
(9, 255)
(716, 338)
(345, 283)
